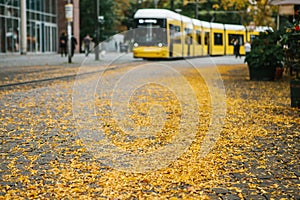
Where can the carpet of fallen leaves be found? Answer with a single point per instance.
(255, 157)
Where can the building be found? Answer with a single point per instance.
(284, 2)
(287, 10)
(45, 22)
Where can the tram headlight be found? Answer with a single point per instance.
(135, 44)
(160, 45)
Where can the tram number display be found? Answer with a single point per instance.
(148, 21)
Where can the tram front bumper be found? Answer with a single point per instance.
(151, 52)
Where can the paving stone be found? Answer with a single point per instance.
(212, 196)
(240, 185)
(264, 176)
(231, 197)
(239, 176)
(220, 190)
(255, 197)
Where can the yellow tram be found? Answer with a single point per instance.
(161, 33)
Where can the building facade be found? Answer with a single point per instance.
(45, 22)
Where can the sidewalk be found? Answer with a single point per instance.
(13, 60)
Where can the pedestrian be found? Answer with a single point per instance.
(120, 47)
(247, 47)
(116, 46)
(236, 48)
(87, 41)
(73, 45)
(63, 44)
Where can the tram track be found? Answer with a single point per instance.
(33, 69)
(70, 76)
(44, 80)
(37, 81)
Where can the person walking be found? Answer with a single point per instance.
(247, 47)
(87, 41)
(236, 48)
(73, 45)
(63, 44)
(116, 46)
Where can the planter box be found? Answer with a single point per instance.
(262, 74)
(295, 93)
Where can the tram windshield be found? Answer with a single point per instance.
(150, 32)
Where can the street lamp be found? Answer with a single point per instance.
(101, 19)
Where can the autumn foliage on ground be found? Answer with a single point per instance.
(255, 157)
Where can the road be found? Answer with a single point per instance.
(130, 129)
(16, 69)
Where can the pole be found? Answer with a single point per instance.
(69, 38)
(69, 42)
(172, 5)
(23, 28)
(196, 9)
(96, 2)
(278, 21)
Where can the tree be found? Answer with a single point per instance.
(118, 14)
(108, 12)
(233, 11)
(258, 11)
(126, 19)
(88, 21)
(123, 11)
(86, 18)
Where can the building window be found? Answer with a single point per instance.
(41, 25)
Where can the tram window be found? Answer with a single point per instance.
(188, 36)
(149, 35)
(218, 38)
(198, 37)
(232, 37)
(175, 34)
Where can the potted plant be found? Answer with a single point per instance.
(291, 42)
(266, 55)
